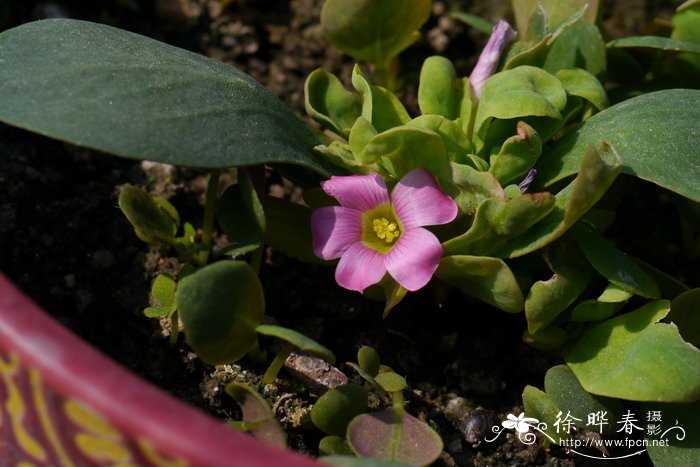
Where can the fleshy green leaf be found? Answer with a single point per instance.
(488, 279)
(517, 155)
(163, 289)
(402, 149)
(609, 303)
(298, 340)
(470, 187)
(684, 314)
(289, 229)
(557, 11)
(373, 31)
(330, 104)
(379, 106)
(220, 306)
(597, 172)
(128, 95)
(580, 46)
(537, 404)
(332, 445)
(579, 82)
(655, 135)
(368, 359)
(152, 222)
(654, 42)
(390, 381)
(677, 425)
(159, 311)
(547, 299)
(258, 418)
(440, 92)
(613, 264)
(524, 91)
(333, 411)
(548, 338)
(566, 392)
(497, 221)
(635, 348)
(379, 435)
(457, 145)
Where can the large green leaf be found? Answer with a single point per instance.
(634, 357)
(655, 42)
(128, 95)
(221, 305)
(655, 134)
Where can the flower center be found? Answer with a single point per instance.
(387, 231)
(381, 228)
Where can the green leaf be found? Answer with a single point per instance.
(440, 92)
(609, 303)
(159, 311)
(655, 135)
(597, 172)
(654, 42)
(488, 279)
(517, 155)
(406, 147)
(557, 11)
(537, 404)
(379, 106)
(368, 359)
(380, 436)
(390, 381)
(635, 348)
(613, 264)
(163, 289)
(579, 82)
(334, 445)
(679, 427)
(289, 229)
(298, 340)
(330, 104)
(457, 145)
(333, 411)
(470, 187)
(566, 392)
(684, 314)
(152, 222)
(521, 92)
(476, 22)
(497, 221)
(240, 213)
(234, 251)
(257, 414)
(548, 298)
(373, 31)
(220, 306)
(134, 97)
(579, 46)
(548, 338)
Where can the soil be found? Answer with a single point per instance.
(66, 244)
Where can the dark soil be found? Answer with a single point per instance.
(66, 244)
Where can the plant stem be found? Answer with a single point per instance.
(174, 327)
(276, 364)
(209, 215)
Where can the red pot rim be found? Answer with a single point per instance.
(74, 369)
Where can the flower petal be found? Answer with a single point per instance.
(361, 192)
(488, 60)
(418, 201)
(414, 258)
(360, 267)
(334, 229)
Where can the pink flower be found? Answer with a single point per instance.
(373, 233)
(488, 60)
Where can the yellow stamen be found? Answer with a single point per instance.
(385, 230)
